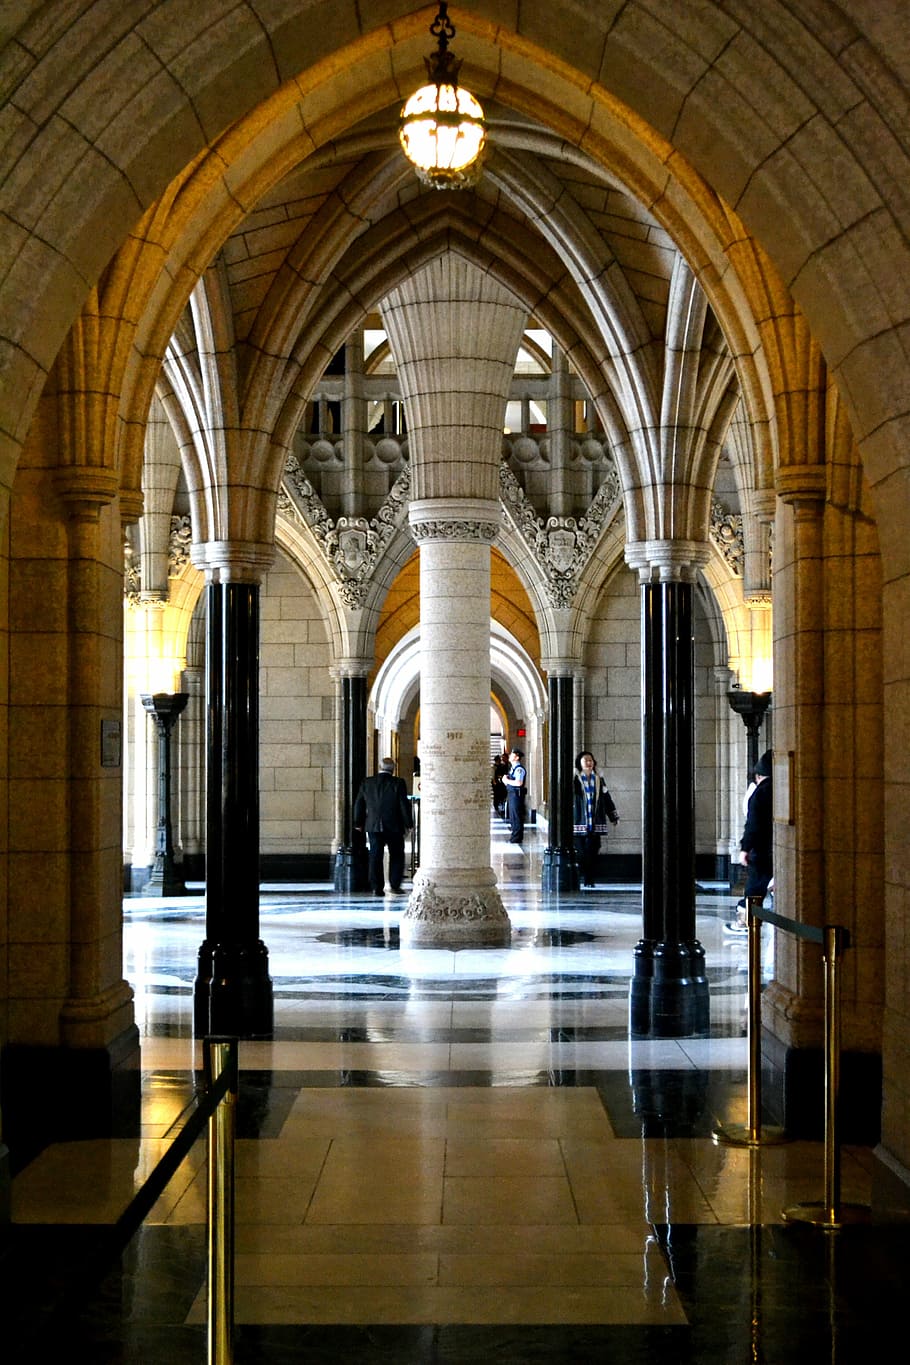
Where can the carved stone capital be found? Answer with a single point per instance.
(85, 490)
(454, 530)
(350, 668)
(132, 504)
(667, 561)
(470, 519)
(233, 561)
(801, 484)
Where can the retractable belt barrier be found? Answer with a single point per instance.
(833, 939)
(217, 1108)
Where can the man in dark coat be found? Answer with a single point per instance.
(757, 843)
(383, 809)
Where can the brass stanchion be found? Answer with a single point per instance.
(221, 1054)
(752, 1134)
(831, 1214)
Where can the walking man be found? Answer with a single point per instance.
(383, 809)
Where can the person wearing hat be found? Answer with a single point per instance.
(516, 780)
(757, 843)
(383, 810)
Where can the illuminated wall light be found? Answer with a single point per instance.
(442, 130)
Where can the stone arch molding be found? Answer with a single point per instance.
(399, 674)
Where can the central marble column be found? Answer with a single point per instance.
(455, 899)
(454, 332)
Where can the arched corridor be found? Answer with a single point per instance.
(613, 439)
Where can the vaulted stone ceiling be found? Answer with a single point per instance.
(316, 253)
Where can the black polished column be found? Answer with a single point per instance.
(233, 990)
(669, 991)
(351, 856)
(559, 871)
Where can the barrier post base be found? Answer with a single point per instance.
(822, 1216)
(741, 1135)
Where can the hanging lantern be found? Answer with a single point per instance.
(442, 130)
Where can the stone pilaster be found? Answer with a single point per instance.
(561, 425)
(354, 424)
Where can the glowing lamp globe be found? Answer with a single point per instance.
(442, 130)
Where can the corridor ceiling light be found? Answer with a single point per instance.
(442, 130)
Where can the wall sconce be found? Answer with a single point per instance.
(442, 130)
(752, 707)
(166, 878)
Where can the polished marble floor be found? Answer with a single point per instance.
(448, 1156)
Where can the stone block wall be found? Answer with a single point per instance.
(296, 735)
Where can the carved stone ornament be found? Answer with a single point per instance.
(132, 578)
(441, 528)
(348, 544)
(178, 547)
(427, 906)
(727, 534)
(561, 546)
(352, 545)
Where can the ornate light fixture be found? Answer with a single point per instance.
(442, 130)
(752, 707)
(166, 877)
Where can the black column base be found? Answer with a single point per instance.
(559, 871)
(793, 1091)
(60, 1094)
(164, 881)
(668, 995)
(232, 993)
(351, 869)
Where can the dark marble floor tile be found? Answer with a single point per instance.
(672, 1104)
(789, 1293)
(262, 1108)
(768, 1296)
(71, 1288)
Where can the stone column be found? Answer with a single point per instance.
(160, 476)
(233, 991)
(669, 991)
(454, 332)
(191, 810)
(350, 857)
(454, 900)
(559, 871)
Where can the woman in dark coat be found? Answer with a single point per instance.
(592, 807)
